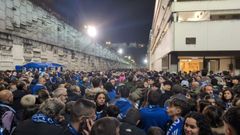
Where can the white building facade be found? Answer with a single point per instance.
(190, 35)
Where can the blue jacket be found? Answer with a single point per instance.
(124, 105)
(176, 127)
(37, 87)
(112, 95)
(153, 115)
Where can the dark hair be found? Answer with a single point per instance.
(130, 78)
(96, 82)
(99, 93)
(105, 126)
(154, 97)
(81, 108)
(202, 104)
(204, 128)
(232, 117)
(42, 96)
(204, 72)
(155, 131)
(113, 111)
(124, 91)
(230, 90)
(132, 116)
(213, 116)
(108, 86)
(21, 85)
(214, 81)
(181, 104)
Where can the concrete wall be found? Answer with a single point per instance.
(210, 35)
(28, 33)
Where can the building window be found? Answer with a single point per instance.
(191, 41)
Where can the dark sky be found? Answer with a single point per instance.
(116, 20)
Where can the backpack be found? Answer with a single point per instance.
(7, 123)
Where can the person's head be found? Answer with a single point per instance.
(42, 80)
(83, 109)
(195, 124)
(133, 116)
(108, 86)
(28, 101)
(6, 96)
(167, 85)
(75, 89)
(227, 95)
(22, 86)
(43, 95)
(204, 72)
(177, 108)
(123, 91)
(236, 80)
(202, 104)
(151, 81)
(52, 107)
(154, 97)
(112, 111)
(231, 121)
(155, 131)
(106, 126)
(214, 81)
(208, 89)
(96, 82)
(100, 99)
(213, 116)
(61, 93)
(112, 81)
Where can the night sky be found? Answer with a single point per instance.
(116, 20)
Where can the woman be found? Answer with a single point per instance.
(101, 104)
(213, 116)
(195, 124)
(227, 97)
(106, 126)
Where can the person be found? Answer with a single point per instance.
(39, 86)
(45, 122)
(153, 114)
(195, 124)
(177, 110)
(123, 103)
(110, 91)
(42, 96)
(231, 120)
(106, 126)
(155, 131)
(28, 103)
(7, 113)
(167, 92)
(91, 93)
(213, 116)
(101, 104)
(82, 117)
(61, 93)
(227, 97)
(74, 93)
(112, 111)
(128, 126)
(236, 83)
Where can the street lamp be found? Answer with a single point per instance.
(120, 51)
(145, 61)
(91, 31)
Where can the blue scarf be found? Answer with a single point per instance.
(41, 118)
(73, 130)
(176, 127)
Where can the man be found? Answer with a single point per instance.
(82, 117)
(231, 121)
(153, 114)
(123, 103)
(61, 94)
(7, 113)
(236, 83)
(128, 126)
(96, 83)
(39, 86)
(45, 122)
(167, 93)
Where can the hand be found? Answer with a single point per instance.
(89, 127)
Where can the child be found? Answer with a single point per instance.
(177, 110)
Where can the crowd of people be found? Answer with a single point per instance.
(119, 102)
